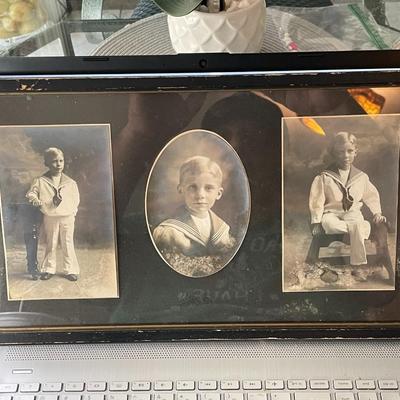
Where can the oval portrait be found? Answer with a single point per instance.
(197, 203)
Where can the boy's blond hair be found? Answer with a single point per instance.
(342, 138)
(198, 164)
(51, 152)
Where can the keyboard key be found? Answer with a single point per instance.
(210, 396)
(207, 385)
(256, 396)
(230, 385)
(8, 387)
(365, 384)
(344, 396)
(47, 397)
(186, 396)
(52, 387)
(70, 397)
(164, 396)
(342, 384)
(275, 384)
(74, 387)
(312, 396)
(22, 371)
(367, 396)
(319, 384)
(280, 396)
(5, 397)
(185, 385)
(390, 396)
(24, 397)
(252, 385)
(96, 386)
(29, 387)
(118, 386)
(140, 386)
(140, 396)
(233, 396)
(297, 384)
(388, 384)
(163, 385)
(117, 396)
(93, 397)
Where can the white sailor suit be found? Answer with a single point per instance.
(181, 234)
(59, 206)
(337, 206)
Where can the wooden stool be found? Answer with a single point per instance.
(377, 249)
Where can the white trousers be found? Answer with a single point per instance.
(60, 229)
(353, 223)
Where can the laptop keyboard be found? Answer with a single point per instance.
(276, 389)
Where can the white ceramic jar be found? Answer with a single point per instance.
(238, 31)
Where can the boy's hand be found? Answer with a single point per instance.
(36, 202)
(379, 218)
(316, 229)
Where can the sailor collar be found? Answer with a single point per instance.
(186, 226)
(65, 180)
(333, 171)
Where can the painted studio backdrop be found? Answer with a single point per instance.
(83, 207)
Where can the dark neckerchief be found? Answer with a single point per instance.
(333, 172)
(57, 198)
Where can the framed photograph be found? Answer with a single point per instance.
(214, 212)
(340, 200)
(197, 203)
(57, 212)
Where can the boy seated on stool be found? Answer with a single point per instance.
(337, 195)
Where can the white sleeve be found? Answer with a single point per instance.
(33, 192)
(317, 199)
(76, 195)
(371, 198)
(164, 236)
(170, 239)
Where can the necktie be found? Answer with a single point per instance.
(57, 198)
(347, 200)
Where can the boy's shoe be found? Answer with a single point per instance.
(46, 276)
(329, 276)
(71, 277)
(359, 274)
(35, 277)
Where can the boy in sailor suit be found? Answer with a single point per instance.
(337, 195)
(57, 196)
(195, 230)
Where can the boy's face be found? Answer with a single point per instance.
(56, 164)
(344, 155)
(200, 192)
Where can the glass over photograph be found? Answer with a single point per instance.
(55, 182)
(340, 197)
(198, 203)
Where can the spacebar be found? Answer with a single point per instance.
(312, 396)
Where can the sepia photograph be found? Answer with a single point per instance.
(340, 202)
(57, 212)
(197, 203)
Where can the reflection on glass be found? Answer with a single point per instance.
(95, 27)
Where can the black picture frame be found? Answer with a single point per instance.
(265, 82)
